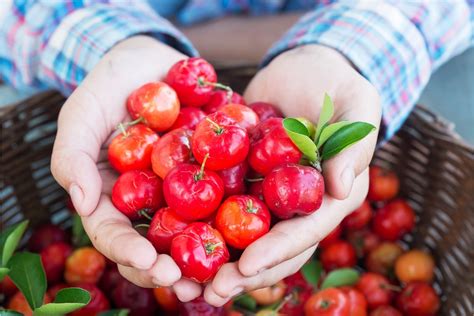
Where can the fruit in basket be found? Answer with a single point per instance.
(7, 287)
(188, 118)
(359, 218)
(393, 220)
(137, 193)
(242, 219)
(418, 298)
(331, 238)
(382, 258)
(376, 289)
(110, 279)
(299, 290)
(357, 301)
(54, 258)
(166, 299)
(234, 179)
(271, 147)
(139, 301)
(45, 235)
(293, 189)
(383, 184)
(199, 251)
(165, 225)
(220, 98)
(415, 265)
(265, 110)
(219, 138)
(328, 302)
(171, 150)
(192, 191)
(338, 255)
(385, 310)
(198, 306)
(270, 294)
(363, 241)
(242, 114)
(19, 304)
(193, 79)
(84, 265)
(131, 149)
(155, 104)
(97, 304)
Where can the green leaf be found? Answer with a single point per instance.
(329, 130)
(3, 273)
(312, 272)
(309, 126)
(6, 312)
(299, 135)
(9, 240)
(345, 137)
(340, 277)
(66, 301)
(246, 301)
(27, 272)
(79, 236)
(327, 111)
(115, 312)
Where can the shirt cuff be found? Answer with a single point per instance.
(85, 35)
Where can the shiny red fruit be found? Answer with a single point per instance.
(363, 241)
(220, 138)
(54, 258)
(165, 225)
(156, 104)
(242, 219)
(171, 150)
(265, 110)
(7, 287)
(220, 98)
(131, 150)
(166, 298)
(293, 189)
(357, 301)
(188, 118)
(45, 235)
(271, 147)
(328, 302)
(138, 300)
(137, 192)
(110, 279)
(199, 251)
(193, 193)
(383, 184)
(385, 310)
(199, 307)
(256, 189)
(300, 291)
(98, 303)
(359, 218)
(382, 258)
(331, 238)
(193, 80)
(376, 289)
(418, 299)
(84, 265)
(394, 220)
(242, 114)
(234, 179)
(340, 254)
(19, 304)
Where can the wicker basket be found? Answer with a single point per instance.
(436, 170)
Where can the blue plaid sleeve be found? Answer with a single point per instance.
(54, 44)
(396, 45)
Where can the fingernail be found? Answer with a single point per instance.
(347, 178)
(77, 196)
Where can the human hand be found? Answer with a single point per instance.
(296, 81)
(86, 125)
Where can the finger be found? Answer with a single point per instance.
(289, 238)
(229, 282)
(113, 235)
(164, 272)
(187, 290)
(341, 170)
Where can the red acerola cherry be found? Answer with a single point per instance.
(394, 220)
(331, 238)
(300, 291)
(156, 104)
(188, 118)
(243, 115)
(331, 301)
(234, 179)
(418, 298)
(98, 303)
(199, 251)
(359, 218)
(220, 98)
(166, 299)
(340, 254)
(199, 307)
(193, 192)
(385, 310)
(383, 184)
(219, 136)
(54, 258)
(265, 110)
(376, 289)
(46, 235)
(131, 149)
(110, 279)
(164, 227)
(139, 301)
(170, 150)
(363, 241)
(7, 287)
(256, 189)
(137, 193)
(293, 189)
(271, 147)
(193, 79)
(242, 219)
(357, 301)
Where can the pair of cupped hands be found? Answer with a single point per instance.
(295, 81)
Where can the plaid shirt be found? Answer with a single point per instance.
(396, 45)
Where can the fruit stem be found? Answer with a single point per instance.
(325, 304)
(202, 82)
(122, 129)
(317, 165)
(253, 179)
(142, 226)
(391, 287)
(282, 303)
(218, 129)
(250, 208)
(210, 247)
(199, 176)
(144, 214)
(134, 122)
